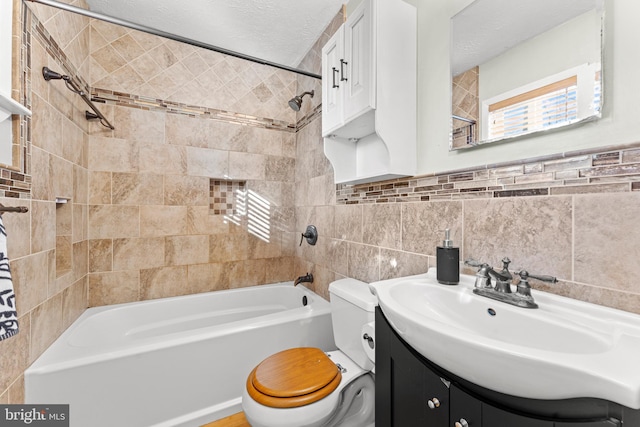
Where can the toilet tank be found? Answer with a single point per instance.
(352, 307)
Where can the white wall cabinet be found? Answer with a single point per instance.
(369, 93)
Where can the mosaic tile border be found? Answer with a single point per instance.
(15, 182)
(152, 104)
(616, 169)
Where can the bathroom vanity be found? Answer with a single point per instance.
(413, 391)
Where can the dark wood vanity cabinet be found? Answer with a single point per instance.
(413, 392)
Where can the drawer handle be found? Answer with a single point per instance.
(433, 403)
(462, 423)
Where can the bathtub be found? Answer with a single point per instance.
(179, 361)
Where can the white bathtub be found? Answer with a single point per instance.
(179, 361)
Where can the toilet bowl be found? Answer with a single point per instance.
(306, 387)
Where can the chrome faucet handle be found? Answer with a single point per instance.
(483, 280)
(523, 287)
(524, 275)
(473, 263)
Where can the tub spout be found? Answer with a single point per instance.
(308, 278)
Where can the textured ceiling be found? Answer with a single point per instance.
(486, 28)
(280, 31)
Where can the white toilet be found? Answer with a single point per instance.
(305, 387)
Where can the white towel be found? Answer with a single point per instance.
(8, 313)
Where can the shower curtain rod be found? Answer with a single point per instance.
(149, 30)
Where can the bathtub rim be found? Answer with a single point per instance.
(49, 361)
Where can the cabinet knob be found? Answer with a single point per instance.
(461, 423)
(433, 403)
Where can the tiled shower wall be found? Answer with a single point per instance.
(185, 117)
(53, 163)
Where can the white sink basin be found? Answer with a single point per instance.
(564, 349)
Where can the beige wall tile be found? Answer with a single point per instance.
(110, 221)
(100, 255)
(228, 247)
(80, 259)
(99, 188)
(137, 189)
(112, 155)
(74, 301)
(163, 282)
(348, 223)
(423, 225)
(606, 238)
(395, 264)
(382, 226)
(80, 184)
(163, 159)
(114, 287)
(138, 253)
(206, 277)
(364, 262)
(186, 190)
(534, 232)
(156, 221)
(339, 252)
(200, 221)
(18, 228)
(241, 274)
(183, 250)
(46, 325)
(246, 165)
(42, 187)
(207, 162)
(139, 125)
(80, 222)
(43, 226)
(279, 270)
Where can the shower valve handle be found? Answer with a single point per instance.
(335, 70)
(311, 234)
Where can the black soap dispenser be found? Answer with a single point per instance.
(447, 262)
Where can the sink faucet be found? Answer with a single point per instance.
(501, 291)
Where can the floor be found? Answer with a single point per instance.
(235, 420)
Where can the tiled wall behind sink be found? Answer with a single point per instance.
(573, 217)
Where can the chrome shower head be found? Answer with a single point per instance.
(296, 102)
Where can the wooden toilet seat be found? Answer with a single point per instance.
(293, 377)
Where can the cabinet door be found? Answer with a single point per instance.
(494, 417)
(356, 67)
(465, 410)
(332, 87)
(420, 397)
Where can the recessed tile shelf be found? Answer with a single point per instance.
(222, 193)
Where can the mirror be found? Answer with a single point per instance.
(524, 67)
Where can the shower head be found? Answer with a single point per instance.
(296, 102)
